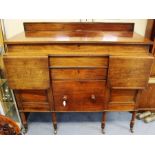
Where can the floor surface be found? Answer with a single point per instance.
(87, 124)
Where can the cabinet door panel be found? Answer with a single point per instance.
(129, 72)
(27, 72)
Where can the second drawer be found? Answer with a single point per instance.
(79, 74)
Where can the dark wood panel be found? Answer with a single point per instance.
(79, 61)
(129, 72)
(79, 74)
(49, 26)
(27, 72)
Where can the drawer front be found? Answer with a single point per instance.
(32, 100)
(79, 95)
(73, 87)
(79, 61)
(79, 74)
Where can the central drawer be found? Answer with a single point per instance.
(79, 74)
(79, 95)
(79, 61)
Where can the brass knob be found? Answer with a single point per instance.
(93, 97)
(64, 102)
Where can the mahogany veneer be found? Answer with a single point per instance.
(78, 67)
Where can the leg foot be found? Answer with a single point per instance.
(54, 120)
(24, 129)
(55, 131)
(55, 128)
(131, 129)
(24, 122)
(103, 132)
(132, 121)
(103, 122)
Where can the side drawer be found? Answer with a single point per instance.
(79, 61)
(79, 74)
(32, 100)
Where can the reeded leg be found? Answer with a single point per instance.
(24, 121)
(132, 121)
(54, 120)
(103, 122)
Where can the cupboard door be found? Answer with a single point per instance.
(27, 72)
(129, 72)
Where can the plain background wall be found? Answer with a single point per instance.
(13, 27)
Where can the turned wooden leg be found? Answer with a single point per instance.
(132, 121)
(103, 122)
(54, 120)
(24, 121)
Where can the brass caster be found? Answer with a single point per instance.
(24, 130)
(55, 131)
(103, 132)
(131, 130)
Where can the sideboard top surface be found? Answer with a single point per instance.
(81, 37)
(84, 33)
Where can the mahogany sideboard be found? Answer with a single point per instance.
(79, 67)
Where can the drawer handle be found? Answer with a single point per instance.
(93, 97)
(64, 103)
